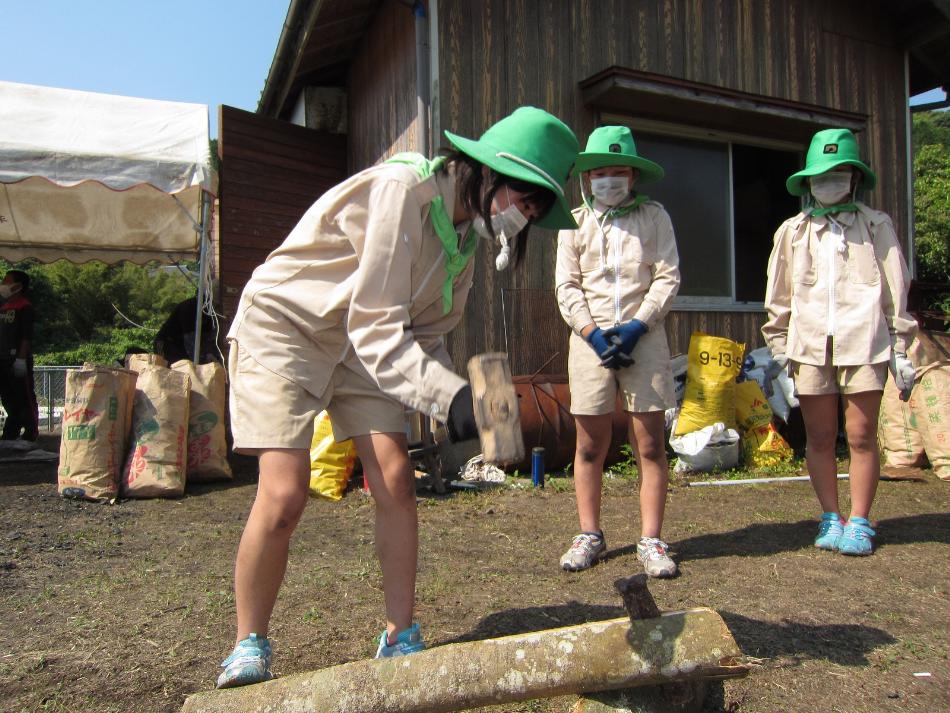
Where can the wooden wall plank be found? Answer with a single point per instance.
(271, 173)
(495, 55)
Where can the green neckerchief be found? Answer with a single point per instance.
(843, 208)
(455, 259)
(612, 213)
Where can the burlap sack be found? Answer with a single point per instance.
(930, 403)
(207, 445)
(155, 466)
(96, 421)
(135, 362)
(897, 433)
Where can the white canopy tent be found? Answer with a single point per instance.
(86, 176)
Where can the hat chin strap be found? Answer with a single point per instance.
(532, 167)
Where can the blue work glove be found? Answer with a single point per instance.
(597, 341)
(601, 346)
(624, 337)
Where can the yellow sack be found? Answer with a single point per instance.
(331, 463)
(712, 366)
(763, 446)
(752, 406)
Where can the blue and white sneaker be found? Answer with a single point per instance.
(248, 663)
(857, 538)
(408, 641)
(829, 531)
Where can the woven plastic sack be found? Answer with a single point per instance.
(930, 402)
(331, 462)
(712, 447)
(207, 441)
(900, 440)
(713, 363)
(155, 466)
(96, 420)
(762, 445)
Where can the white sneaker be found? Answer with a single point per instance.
(652, 552)
(585, 550)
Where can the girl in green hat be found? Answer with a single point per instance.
(617, 275)
(837, 306)
(348, 315)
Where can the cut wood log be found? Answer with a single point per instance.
(496, 408)
(597, 656)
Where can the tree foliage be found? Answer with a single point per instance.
(94, 312)
(932, 195)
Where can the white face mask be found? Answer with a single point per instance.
(610, 190)
(830, 188)
(7, 291)
(506, 224)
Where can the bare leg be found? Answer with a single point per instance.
(385, 459)
(820, 414)
(262, 554)
(649, 445)
(593, 441)
(860, 422)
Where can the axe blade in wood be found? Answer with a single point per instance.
(496, 408)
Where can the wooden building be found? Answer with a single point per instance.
(725, 94)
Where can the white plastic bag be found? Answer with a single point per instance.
(709, 448)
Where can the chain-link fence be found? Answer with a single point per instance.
(50, 385)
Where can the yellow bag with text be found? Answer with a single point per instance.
(762, 445)
(712, 366)
(331, 462)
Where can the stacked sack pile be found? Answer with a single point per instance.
(726, 411)
(143, 431)
(913, 433)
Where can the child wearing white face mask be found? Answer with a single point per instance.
(836, 298)
(617, 275)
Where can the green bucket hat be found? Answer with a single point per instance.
(614, 146)
(529, 145)
(830, 148)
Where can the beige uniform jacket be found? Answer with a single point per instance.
(865, 305)
(632, 272)
(359, 281)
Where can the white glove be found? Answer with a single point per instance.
(904, 374)
(775, 366)
(19, 368)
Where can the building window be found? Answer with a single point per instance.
(726, 198)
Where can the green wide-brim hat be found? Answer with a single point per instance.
(614, 146)
(830, 148)
(529, 145)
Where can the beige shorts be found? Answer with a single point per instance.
(647, 385)
(811, 380)
(270, 411)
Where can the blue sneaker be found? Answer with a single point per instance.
(408, 641)
(829, 531)
(248, 663)
(858, 538)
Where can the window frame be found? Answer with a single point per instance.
(691, 303)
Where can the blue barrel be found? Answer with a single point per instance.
(537, 466)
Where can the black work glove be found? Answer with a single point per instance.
(461, 423)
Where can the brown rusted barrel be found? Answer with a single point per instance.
(544, 401)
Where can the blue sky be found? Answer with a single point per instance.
(203, 51)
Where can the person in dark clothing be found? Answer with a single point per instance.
(176, 337)
(16, 358)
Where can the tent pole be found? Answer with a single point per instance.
(202, 275)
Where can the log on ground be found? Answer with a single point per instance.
(597, 656)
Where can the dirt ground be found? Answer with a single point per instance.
(129, 607)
